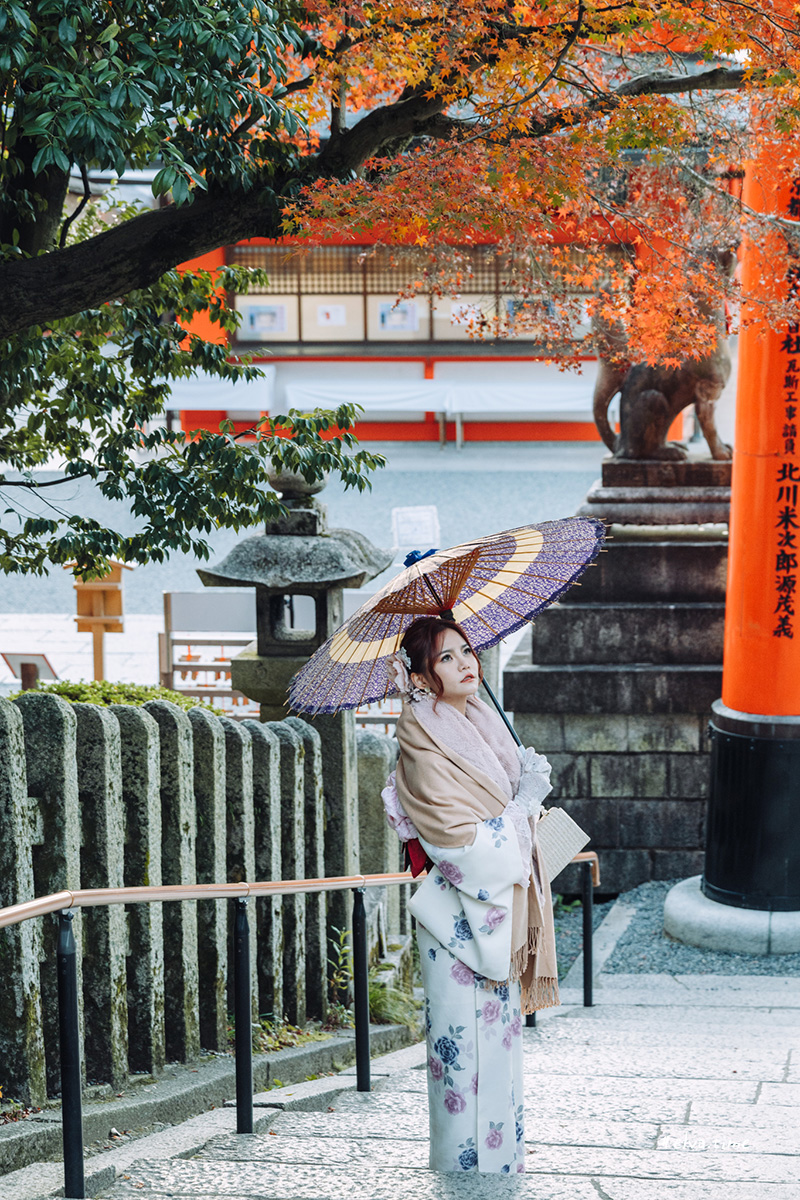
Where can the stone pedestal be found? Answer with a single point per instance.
(649, 492)
(617, 682)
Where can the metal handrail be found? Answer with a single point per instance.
(65, 902)
(97, 897)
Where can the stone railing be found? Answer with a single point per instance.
(109, 797)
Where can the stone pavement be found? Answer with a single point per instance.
(670, 1088)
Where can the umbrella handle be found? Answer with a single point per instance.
(499, 708)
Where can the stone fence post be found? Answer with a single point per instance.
(141, 800)
(208, 739)
(340, 789)
(240, 839)
(21, 1041)
(266, 751)
(50, 744)
(292, 867)
(379, 844)
(178, 826)
(316, 904)
(105, 1001)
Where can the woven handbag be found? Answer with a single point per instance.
(560, 839)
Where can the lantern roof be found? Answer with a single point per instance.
(284, 563)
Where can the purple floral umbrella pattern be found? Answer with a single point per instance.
(491, 586)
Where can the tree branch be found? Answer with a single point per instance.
(409, 116)
(134, 254)
(658, 83)
(41, 289)
(34, 487)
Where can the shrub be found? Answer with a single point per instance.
(391, 1005)
(103, 692)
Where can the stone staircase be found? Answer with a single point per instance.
(639, 1098)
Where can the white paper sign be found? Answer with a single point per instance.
(399, 318)
(416, 526)
(265, 319)
(331, 314)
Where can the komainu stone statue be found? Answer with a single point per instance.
(651, 397)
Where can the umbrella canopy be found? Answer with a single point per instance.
(491, 587)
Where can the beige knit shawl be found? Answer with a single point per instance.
(453, 772)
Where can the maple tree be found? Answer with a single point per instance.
(441, 123)
(426, 120)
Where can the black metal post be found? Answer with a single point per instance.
(588, 914)
(361, 990)
(70, 1052)
(243, 1019)
(530, 1020)
(753, 835)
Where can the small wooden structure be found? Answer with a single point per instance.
(100, 609)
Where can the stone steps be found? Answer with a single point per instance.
(625, 1101)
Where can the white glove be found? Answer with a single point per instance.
(534, 780)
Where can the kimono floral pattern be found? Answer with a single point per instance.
(466, 902)
(473, 1025)
(474, 1044)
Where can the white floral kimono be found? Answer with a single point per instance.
(464, 908)
(473, 1025)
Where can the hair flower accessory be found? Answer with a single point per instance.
(399, 669)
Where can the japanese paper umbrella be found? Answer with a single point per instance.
(491, 587)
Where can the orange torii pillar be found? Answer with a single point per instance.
(753, 833)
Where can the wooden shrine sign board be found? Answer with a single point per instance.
(100, 609)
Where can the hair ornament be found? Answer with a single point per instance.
(399, 670)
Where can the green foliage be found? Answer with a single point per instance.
(560, 905)
(339, 981)
(391, 1005)
(106, 85)
(387, 1005)
(92, 391)
(115, 83)
(103, 692)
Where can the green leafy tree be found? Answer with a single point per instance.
(105, 85)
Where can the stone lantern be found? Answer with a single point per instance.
(298, 555)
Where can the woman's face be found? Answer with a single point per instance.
(457, 668)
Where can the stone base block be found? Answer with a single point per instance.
(652, 472)
(630, 688)
(618, 632)
(691, 917)
(616, 733)
(657, 570)
(264, 679)
(658, 505)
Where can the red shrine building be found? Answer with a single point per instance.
(330, 329)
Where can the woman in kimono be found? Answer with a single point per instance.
(484, 913)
